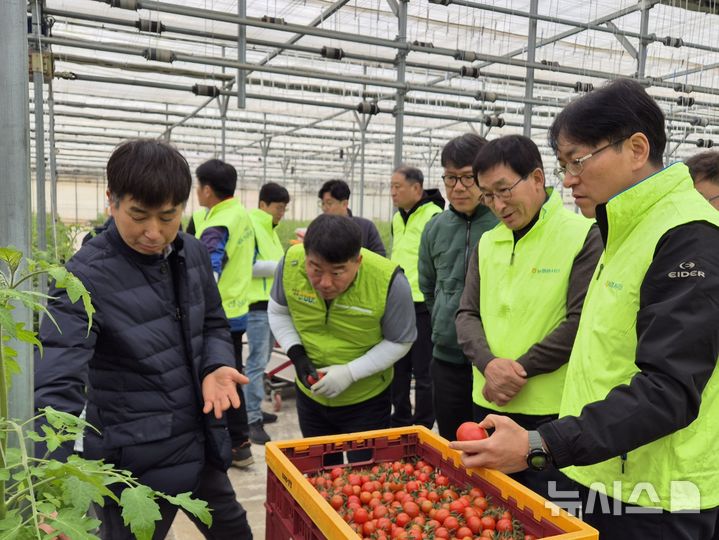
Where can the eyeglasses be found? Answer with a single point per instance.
(576, 166)
(504, 194)
(328, 203)
(450, 180)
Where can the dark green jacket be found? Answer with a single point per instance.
(447, 243)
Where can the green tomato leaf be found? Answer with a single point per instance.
(11, 257)
(75, 290)
(12, 368)
(140, 511)
(79, 494)
(74, 524)
(11, 522)
(196, 507)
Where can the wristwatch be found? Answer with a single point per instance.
(538, 458)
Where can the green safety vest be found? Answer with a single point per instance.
(668, 472)
(267, 248)
(523, 298)
(236, 275)
(405, 243)
(348, 328)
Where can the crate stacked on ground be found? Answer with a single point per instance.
(300, 510)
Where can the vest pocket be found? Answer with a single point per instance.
(142, 430)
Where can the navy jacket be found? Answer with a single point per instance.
(158, 329)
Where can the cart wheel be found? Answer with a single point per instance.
(276, 400)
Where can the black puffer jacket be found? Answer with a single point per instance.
(144, 359)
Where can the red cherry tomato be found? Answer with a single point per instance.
(312, 380)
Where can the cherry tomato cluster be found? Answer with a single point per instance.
(413, 500)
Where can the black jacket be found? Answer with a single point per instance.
(158, 329)
(370, 235)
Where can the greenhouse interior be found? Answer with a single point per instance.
(300, 92)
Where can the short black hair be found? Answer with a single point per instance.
(336, 239)
(220, 176)
(272, 192)
(515, 151)
(612, 113)
(150, 171)
(704, 166)
(338, 189)
(461, 151)
(412, 174)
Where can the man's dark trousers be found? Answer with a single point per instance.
(417, 362)
(229, 519)
(237, 418)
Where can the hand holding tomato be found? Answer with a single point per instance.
(506, 450)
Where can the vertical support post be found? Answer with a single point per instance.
(77, 219)
(363, 132)
(430, 160)
(529, 84)
(98, 196)
(222, 103)
(265, 148)
(37, 83)
(241, 56)
(223, 135)
(400, 61)
(643, 31)
(53, 163)
(15, 213)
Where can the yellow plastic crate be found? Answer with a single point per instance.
(296, 510)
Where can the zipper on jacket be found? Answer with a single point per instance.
(623, 457)
(511, 259)
(601, 267)
(178, 313)
(466, 247)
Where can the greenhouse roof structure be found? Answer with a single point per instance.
(307, 90)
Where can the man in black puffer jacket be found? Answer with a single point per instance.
(158, 357)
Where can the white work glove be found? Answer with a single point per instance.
(335, 381)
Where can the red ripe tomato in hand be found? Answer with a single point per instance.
(312, 380)
(470, 431)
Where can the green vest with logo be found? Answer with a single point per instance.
(523, 297)
(267, 248)
(405, 243)
(234, 283)
(346, 329)
(668, 472)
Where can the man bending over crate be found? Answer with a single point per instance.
(345, 316)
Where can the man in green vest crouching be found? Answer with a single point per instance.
(344, 315)
(415, 207)
(640, 409)
(224, 227)
(524, 291)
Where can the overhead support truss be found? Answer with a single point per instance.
(299, 83)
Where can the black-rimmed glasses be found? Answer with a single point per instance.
(450, 180)
(504, 194)
(576, 166)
